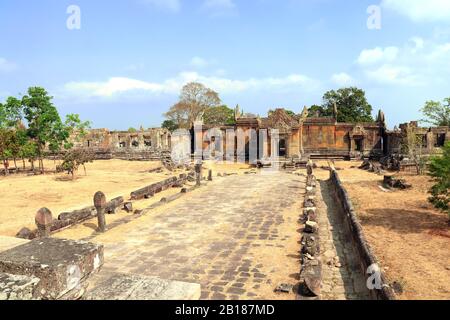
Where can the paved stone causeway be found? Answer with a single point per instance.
(238, 237)
(342, 277)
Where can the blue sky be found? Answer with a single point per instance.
(127, 63)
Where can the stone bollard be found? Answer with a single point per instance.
(210, 175)
(44, 221)
(309, 168)
(198, 173)
(100, 204)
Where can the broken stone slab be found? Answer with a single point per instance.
(311, 279)
(284, 288)
(78, 215)
(113, 205)
(311, 227)
(128, 207)
(309, 203)
(61, 265)
(18, 287)
(135, 287)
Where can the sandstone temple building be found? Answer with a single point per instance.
(298, 136)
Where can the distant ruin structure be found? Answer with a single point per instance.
(139, 145)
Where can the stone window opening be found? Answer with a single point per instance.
(135, 144)
(122, 144)
(440, 140)
(148, 143)
(359, 145)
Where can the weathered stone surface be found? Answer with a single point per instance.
(26, 233)
(311, 227)
(113, 205)
(18, 287)
(60, 264)
(78, 215)
(133, 287)
(151, 190)
(128, 207)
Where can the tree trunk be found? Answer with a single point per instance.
(23, 162)
(15, 164)
(84, 167)
(5, 165)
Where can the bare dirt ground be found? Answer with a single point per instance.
(410, 238)
(22, 196)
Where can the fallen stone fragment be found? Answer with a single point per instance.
(284, 288)
(311, 227)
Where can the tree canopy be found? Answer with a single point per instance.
(437, 113)
(351, 103)
(221, 115)
(194, 100)
(44, 128)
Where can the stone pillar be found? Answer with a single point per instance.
(100, 204)
(210, 178)
(198, 173)
(44, 221)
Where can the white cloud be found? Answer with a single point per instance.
(342, 79)
(171, 5)
(199, 62)
(420, 10)
(371, 56)
(6, 66)
(218, 8)
(118, 86)
(416, 63)
(390, 74)
(227, 4)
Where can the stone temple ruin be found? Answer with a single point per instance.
(55, 269)
(303, 137)
(139, 145)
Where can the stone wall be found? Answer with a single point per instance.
(139, 145)
(360, 244)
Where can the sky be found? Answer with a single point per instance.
(122, 63)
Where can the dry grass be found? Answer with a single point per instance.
(22, 196)
(410, 238)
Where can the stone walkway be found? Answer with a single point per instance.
(237, 237)
(342, 277)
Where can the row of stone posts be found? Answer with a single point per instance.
(44, 218)
(311, 269)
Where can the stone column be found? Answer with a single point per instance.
(100, 204)
(44, 221)
(210, 178)
(198, 173)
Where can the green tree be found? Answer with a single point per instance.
(194, 100)
(217, 116)
(170, 125)
(44, 123)
(76, 128)
(132, 130)
(440, 171)
(6, 136)
(318, 111)
(437, 113)
(351, 103)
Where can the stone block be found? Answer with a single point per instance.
(134, 287)
(17, 287)
(61, 265)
